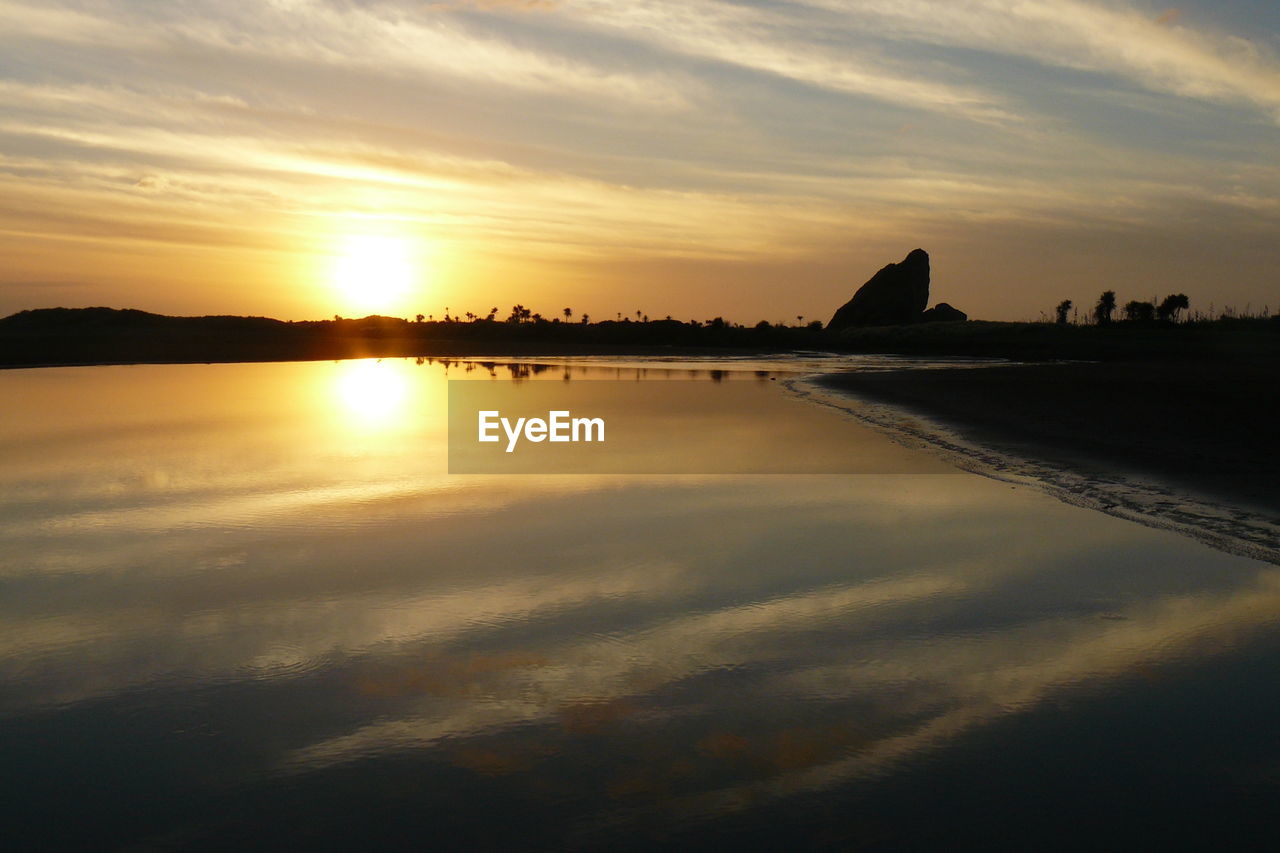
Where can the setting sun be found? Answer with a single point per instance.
(376, 273)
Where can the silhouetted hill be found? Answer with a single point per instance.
(64, 320)
(51, 336)
(90, 335)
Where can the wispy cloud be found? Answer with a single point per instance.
(382, 38)
(1117, 38)
(589, 130)
(60, 24)
(766, 40)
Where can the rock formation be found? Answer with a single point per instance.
(896, 295)
(943, 313)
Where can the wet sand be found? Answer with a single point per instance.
(1205, 426)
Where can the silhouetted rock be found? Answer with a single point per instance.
(894, 296)
(943, 313)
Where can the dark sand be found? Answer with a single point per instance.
(1206, 426)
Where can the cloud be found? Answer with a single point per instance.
(25, 21)
(501, 5)
(382, 39)
(591, 131)
(779, 43)
(1117, 38)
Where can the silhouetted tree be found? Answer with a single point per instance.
(1106, 306)
(1064, 307)
(568, 313)
(419, 317)
(1139, 312)
(1172, 304)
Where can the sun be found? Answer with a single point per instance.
(376, 273)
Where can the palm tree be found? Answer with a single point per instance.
(1106, 306)
(568, 313)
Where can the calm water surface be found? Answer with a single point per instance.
(245, 607)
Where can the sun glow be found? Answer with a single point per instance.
(373, 393)
(377, 273)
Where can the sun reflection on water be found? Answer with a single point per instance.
(373, 394)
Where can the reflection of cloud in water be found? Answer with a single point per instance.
(601, 670)
(989, 678)
(972, 679)
(245, 603)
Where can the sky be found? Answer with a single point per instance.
(754, 159)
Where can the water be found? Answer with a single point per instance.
(245, 607)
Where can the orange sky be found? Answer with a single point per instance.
(302, 158)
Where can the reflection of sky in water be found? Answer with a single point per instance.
(233, 592)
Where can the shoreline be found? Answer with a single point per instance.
(1188, 448)
(359, 349)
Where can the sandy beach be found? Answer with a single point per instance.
(1199, 434)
